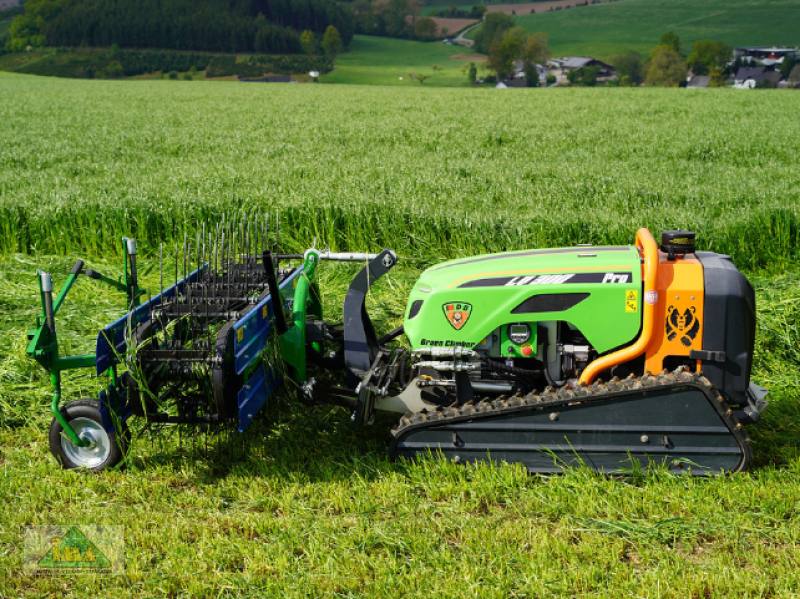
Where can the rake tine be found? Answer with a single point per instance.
(175, 292)
(161, 261)
(277, 222)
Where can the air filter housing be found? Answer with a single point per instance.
(678, 243)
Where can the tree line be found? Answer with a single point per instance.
(262, 26)
(666, 64)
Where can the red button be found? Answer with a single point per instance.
(527, 350)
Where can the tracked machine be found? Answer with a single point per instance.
(618, 358)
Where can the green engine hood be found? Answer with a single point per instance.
(596, 289)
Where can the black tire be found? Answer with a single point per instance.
(109, 449)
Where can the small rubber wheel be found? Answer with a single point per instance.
(105, 450)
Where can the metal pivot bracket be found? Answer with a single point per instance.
(360, 342)
(367, 389)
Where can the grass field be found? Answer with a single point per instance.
(382, 61)
(309, 508)
(606, 29)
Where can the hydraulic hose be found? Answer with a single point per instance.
(500, 367)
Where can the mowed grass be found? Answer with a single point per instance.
(383, 61)
(301, 505)
(603, 30)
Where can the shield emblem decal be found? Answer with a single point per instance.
(457, 314)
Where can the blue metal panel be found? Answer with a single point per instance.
(255, 392)
(105, 353)
(250, 334)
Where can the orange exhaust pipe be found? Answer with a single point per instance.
(649, 250)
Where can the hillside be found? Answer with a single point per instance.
(606, 29)
(383, 61)
(263, 26)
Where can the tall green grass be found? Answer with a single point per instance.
(429, 172)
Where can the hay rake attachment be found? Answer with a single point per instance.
(211, 346)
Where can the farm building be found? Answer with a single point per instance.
(699, 81)
(765, 55)
(519, 71)
(750, 77)
(578, 62)
(513, 82)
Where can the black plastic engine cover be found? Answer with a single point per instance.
(730, 326)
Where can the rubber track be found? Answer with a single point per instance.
(552, 397)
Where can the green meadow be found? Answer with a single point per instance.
(383, 61)
(603, 30)
(300, 505)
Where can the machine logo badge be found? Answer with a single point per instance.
(457, 314)
(651, 297)
(682, 324)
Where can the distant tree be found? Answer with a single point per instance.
(419, 77)
(113, 51)
(473, 72)
(665, 67)
(502, 56)
(414, 8)
(788, 65)
(114, 70)
(436, 68)
(551, 79)
(444, 31)
(794, 75)
(625, 81)
(193, 71)
(717, 77)
(172, 75)
(589, 75)
(477, 11)
(573, 76)
(308, 42)
(671, 39)
(425, 28)
(518, 32)
(332, 42)
(629, 65)
(494, 26)
(531, 75)
(188, 77)
(707, 55)
(537, 49)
